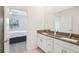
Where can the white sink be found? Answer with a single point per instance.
(68, 39)
(45, 33)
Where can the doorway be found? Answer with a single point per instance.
(16, 30)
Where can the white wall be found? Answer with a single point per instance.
(48, 18)
(40, 18)
(36, 22)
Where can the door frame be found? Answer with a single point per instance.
(6, 29)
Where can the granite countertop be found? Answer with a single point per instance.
(59, 35)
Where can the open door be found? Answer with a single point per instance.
(6, 29)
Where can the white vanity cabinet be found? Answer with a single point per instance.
(65, 47)
(42, 42)
(65, 50)
(45, 43)
(52, 45)
(61, 49)
(58, 49)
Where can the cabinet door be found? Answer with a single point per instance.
(58, 49)
(68, 51)
(43, 45)
(66, 24)
(42, 42)
(58, 46)
(50, 45)
(76, 24)
(39, 42)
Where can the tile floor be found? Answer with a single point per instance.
(37, 50)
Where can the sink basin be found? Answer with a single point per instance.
(45, 33)
(68, 39)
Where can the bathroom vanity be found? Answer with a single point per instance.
(57, 43)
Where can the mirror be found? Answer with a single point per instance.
(63, 24)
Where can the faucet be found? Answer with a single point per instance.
(70, 34)
(55, 33)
